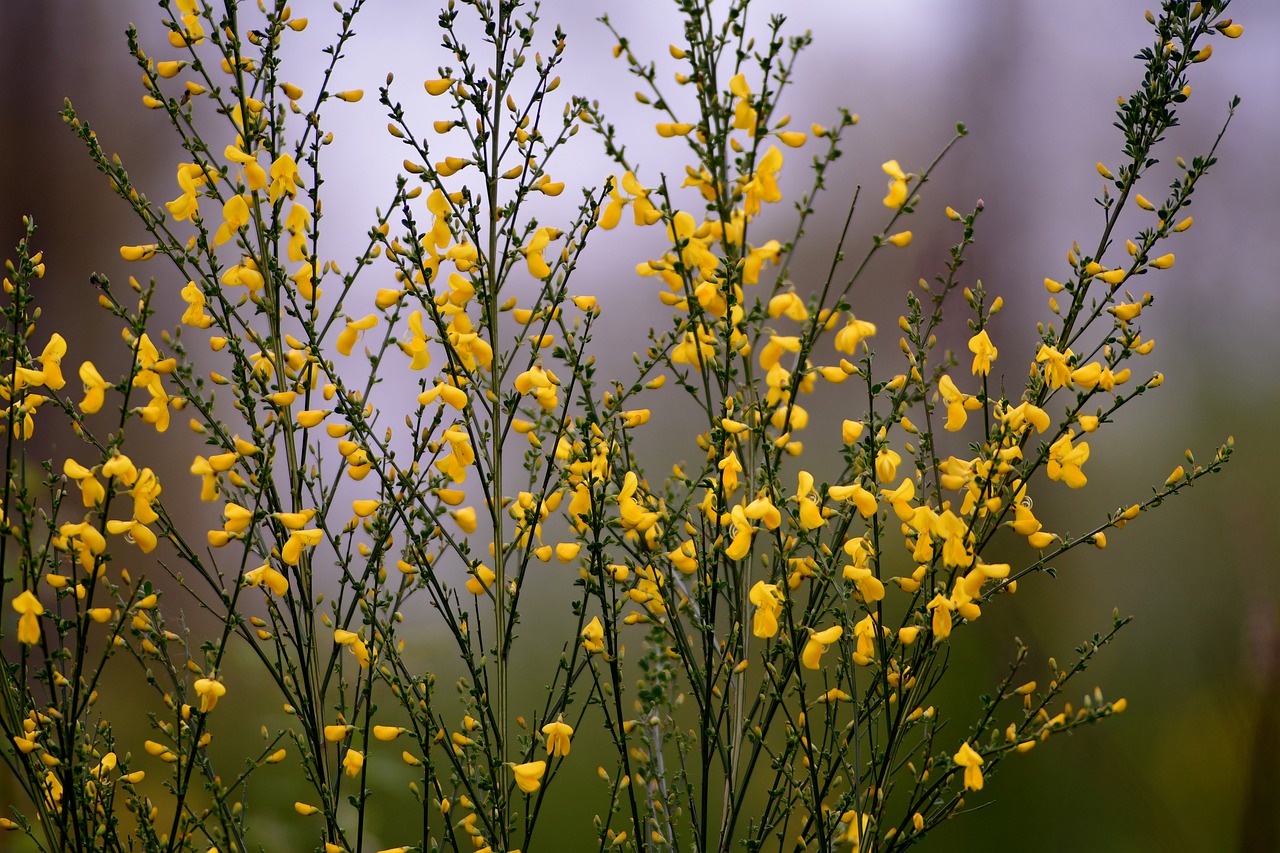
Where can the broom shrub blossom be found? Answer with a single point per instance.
(415, 469)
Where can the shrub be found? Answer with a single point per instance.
(780, 680)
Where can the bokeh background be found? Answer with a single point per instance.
(1195, 763)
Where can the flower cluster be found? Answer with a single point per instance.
(753, 635)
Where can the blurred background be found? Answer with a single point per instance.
(1195, 762)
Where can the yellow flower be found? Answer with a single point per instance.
(529, 776)
(51, 361)
(183, 207)
(138, 253)
(763, 509)
(790, 304)
(209, 691)
(387, 733)
(558, 735)
(195, 315)
(635, 417)
(941, 607)
(763, 185)
(466, 518)
(730, 467)
(291, 553)
(972, 762)
(254, 175)
(269, 577)
(1065, 460)
(810, 513)
(854, 332)
(744, 115)
(348, 336)
(352, 763)
(91, 491)
(644, 211)
(743, 533)
(768, 601)
(30, 609)
(984, 353)
(818, 643)
(138, 532)
(538, 267)
(1057, 372)
(481, 580)
(955, 401)
(461, 454)
(235, 214)
(94, 388)
(593, 636)
(855, 824)
(850, 431)
(897, 196)
(296, 224)
(284, 178)
(887, 462)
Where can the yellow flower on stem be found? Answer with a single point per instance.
(195, 315)
(984, 353)
(235, 214)
(887, 462)
(818, 643)
(296, 224)
(254, 175)
(1065, 460)
(284, 178)
(810, 513)
(744, 115)
(864, 500)
(763, 509)
(481, 579)
(897, 196)
(348, 336)
(91, 491)
(1057, 371)
(593, 636)
(95, 388)
(768, 601)
(558, 735)
(538, 267)
(529, 776)
(763, 185)
(291, 553)
(209, 691)
(644, 211)
(743, 533)
(136, 532)
(972, 762)
(941, 607)
(138, 253)
(266, 576)
(30, 609)
(855, 824)
(51, 362)
(955, 401)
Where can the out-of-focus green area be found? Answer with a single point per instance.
(1193, 763)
